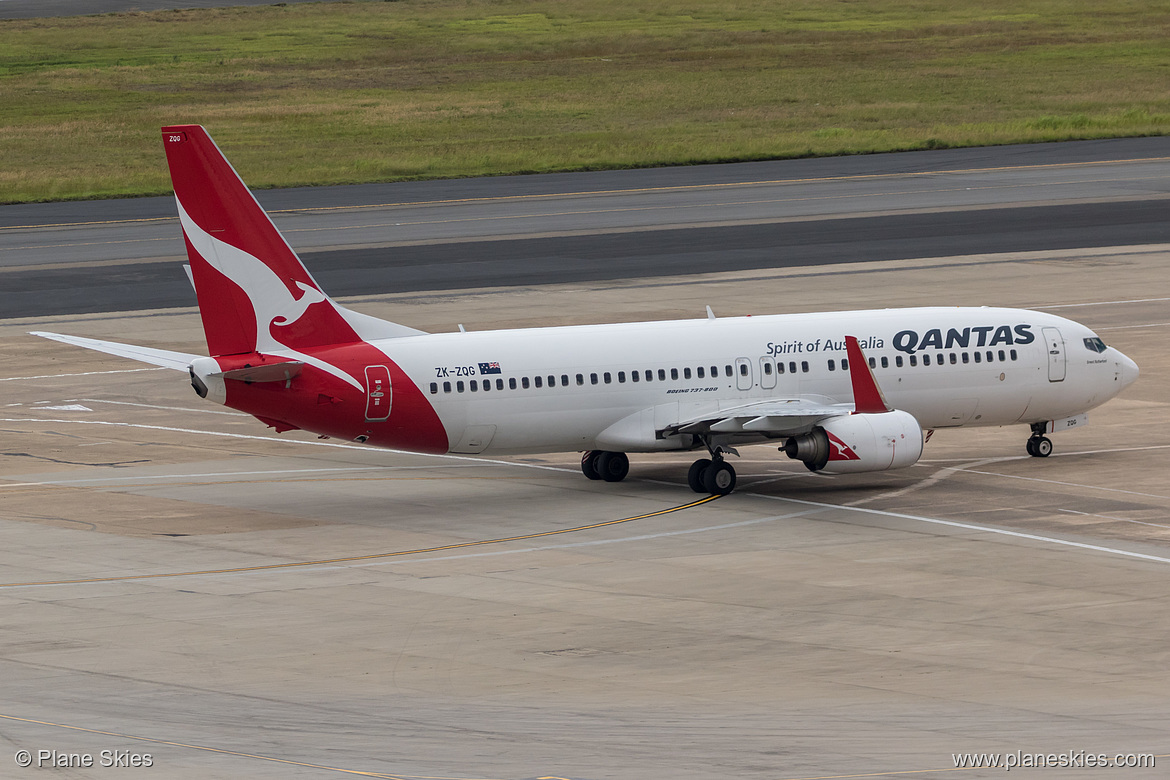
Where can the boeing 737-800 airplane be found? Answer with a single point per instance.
(285, 352)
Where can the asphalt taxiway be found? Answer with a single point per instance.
(180, 582)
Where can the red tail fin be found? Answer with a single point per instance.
(254, 293)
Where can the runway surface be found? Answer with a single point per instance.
(121, 255)
(181, 582)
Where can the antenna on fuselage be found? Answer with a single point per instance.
(710, 314)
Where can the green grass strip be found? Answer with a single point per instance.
(374, 91)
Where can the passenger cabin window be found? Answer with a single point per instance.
(459, 386)
(674, 373)
(512, 383)
(728, 371)
(434, 387)
(446, 387)
(885, 362)
(538, 381)
(649, 375)
(1013, 354)
(700, 372)
(832, 364)
(608, 378)
(524, 382)
(714, 372)
(743, 369)
(686, 373)
(792, 367)
(662, 375)
(499, 384)
(897, 360)
(768, 369)
(622, 376)
(565, 380)
(634, 377)
(474, 385)
(552, 380)
(978, 357)
(804, 366)
(844, 364)
(914, 360)
(593, 379)
(925, 360)
(580, 379)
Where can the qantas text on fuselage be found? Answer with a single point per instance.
(843, 392)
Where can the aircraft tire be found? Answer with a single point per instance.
(613, 466)
(589, 464)
(719, 478)
(1042, 447)
(695, 475)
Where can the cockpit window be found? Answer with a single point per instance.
(1095, 344)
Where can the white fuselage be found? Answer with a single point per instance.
(947, 367)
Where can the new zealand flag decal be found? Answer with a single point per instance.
(489, 368)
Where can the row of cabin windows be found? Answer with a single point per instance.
(606, 377)
(743, 369)
(648, 375)
(939, 360)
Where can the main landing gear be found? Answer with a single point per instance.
(707, 475)
(712, 475)
(1039, 445)
(610, 466)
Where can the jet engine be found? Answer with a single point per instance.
(855, 443)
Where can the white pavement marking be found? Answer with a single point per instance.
(973, 527)
(87, 373)
(1099, 303)
(1110, 517)
(156, 406)
(281, 441)
(1058, 482)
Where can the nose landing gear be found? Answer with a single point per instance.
(1039, 445)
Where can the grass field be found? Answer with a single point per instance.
(374, 91)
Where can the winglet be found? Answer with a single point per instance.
(867, 396)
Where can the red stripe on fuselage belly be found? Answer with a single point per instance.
(320, 402)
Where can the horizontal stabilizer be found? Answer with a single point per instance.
(156, 357)
(270, 372)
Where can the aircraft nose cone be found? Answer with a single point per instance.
(1127, 370)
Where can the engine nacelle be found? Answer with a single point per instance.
(854, 443)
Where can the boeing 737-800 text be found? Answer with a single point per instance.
(285, 352)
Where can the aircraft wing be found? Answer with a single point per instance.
(777, 415)
(178, 361)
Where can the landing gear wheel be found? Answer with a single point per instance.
(719, 478)
(613, 466)
(1039, 446)
(695, 475)
(589, 464)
